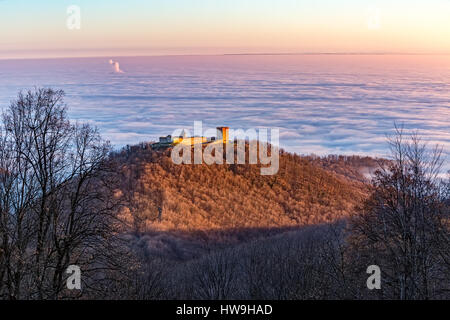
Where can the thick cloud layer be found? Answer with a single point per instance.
(321, 104)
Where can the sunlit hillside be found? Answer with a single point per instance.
(166, 196)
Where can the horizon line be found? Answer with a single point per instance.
(238, 54)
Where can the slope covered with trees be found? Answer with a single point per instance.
(163, 195)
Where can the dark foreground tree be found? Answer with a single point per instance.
(404, 226)
(57, 203)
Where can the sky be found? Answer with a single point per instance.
(157, 27)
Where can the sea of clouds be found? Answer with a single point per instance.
(321, 104)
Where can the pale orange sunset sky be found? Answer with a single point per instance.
(138, 27)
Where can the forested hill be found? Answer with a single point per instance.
(164, 196)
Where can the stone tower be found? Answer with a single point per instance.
(223, 134)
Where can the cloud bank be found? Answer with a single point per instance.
(343, 107)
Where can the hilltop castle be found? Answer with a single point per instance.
(169, 141)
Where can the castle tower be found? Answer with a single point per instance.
(223, 134)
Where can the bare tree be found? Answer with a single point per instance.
(403, 227)
(213, 278)
(57, 204)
